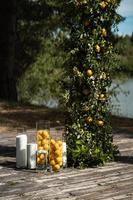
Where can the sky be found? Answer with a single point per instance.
(126, 10)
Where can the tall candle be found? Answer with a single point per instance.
(31, 155)
(64, 153)
(21, 151)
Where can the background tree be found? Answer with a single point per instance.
(41, 82)
(7, 50)
(24, 25)
(125, 54)
(132, 38)
(43, 70)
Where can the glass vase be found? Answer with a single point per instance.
(43, 144)
(56, 144)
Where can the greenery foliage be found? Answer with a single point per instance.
(41, 82)
(89, 69)
(39, 33)
(124, 46)
(30, 23)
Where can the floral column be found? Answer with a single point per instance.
(89, 68)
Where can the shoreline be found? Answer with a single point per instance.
(13, 117)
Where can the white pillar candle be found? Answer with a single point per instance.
(21, 151)
(31, 155)
(64, 153)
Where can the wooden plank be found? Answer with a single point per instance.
(112, 181)
(70, 187)
(102, 193)
(127, 149)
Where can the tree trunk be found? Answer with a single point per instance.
(8, 89)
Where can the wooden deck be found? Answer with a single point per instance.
(111, 182)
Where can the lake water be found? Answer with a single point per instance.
(124, 105)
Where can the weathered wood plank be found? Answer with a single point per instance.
(70, 187)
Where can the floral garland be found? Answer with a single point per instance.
(89, 134)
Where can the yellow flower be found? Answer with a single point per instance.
(104, 32)
(88, 120)
(103, 76)
(89, 72)
(103, 4)
(100, 123)
(97, 48)
(102, 97)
